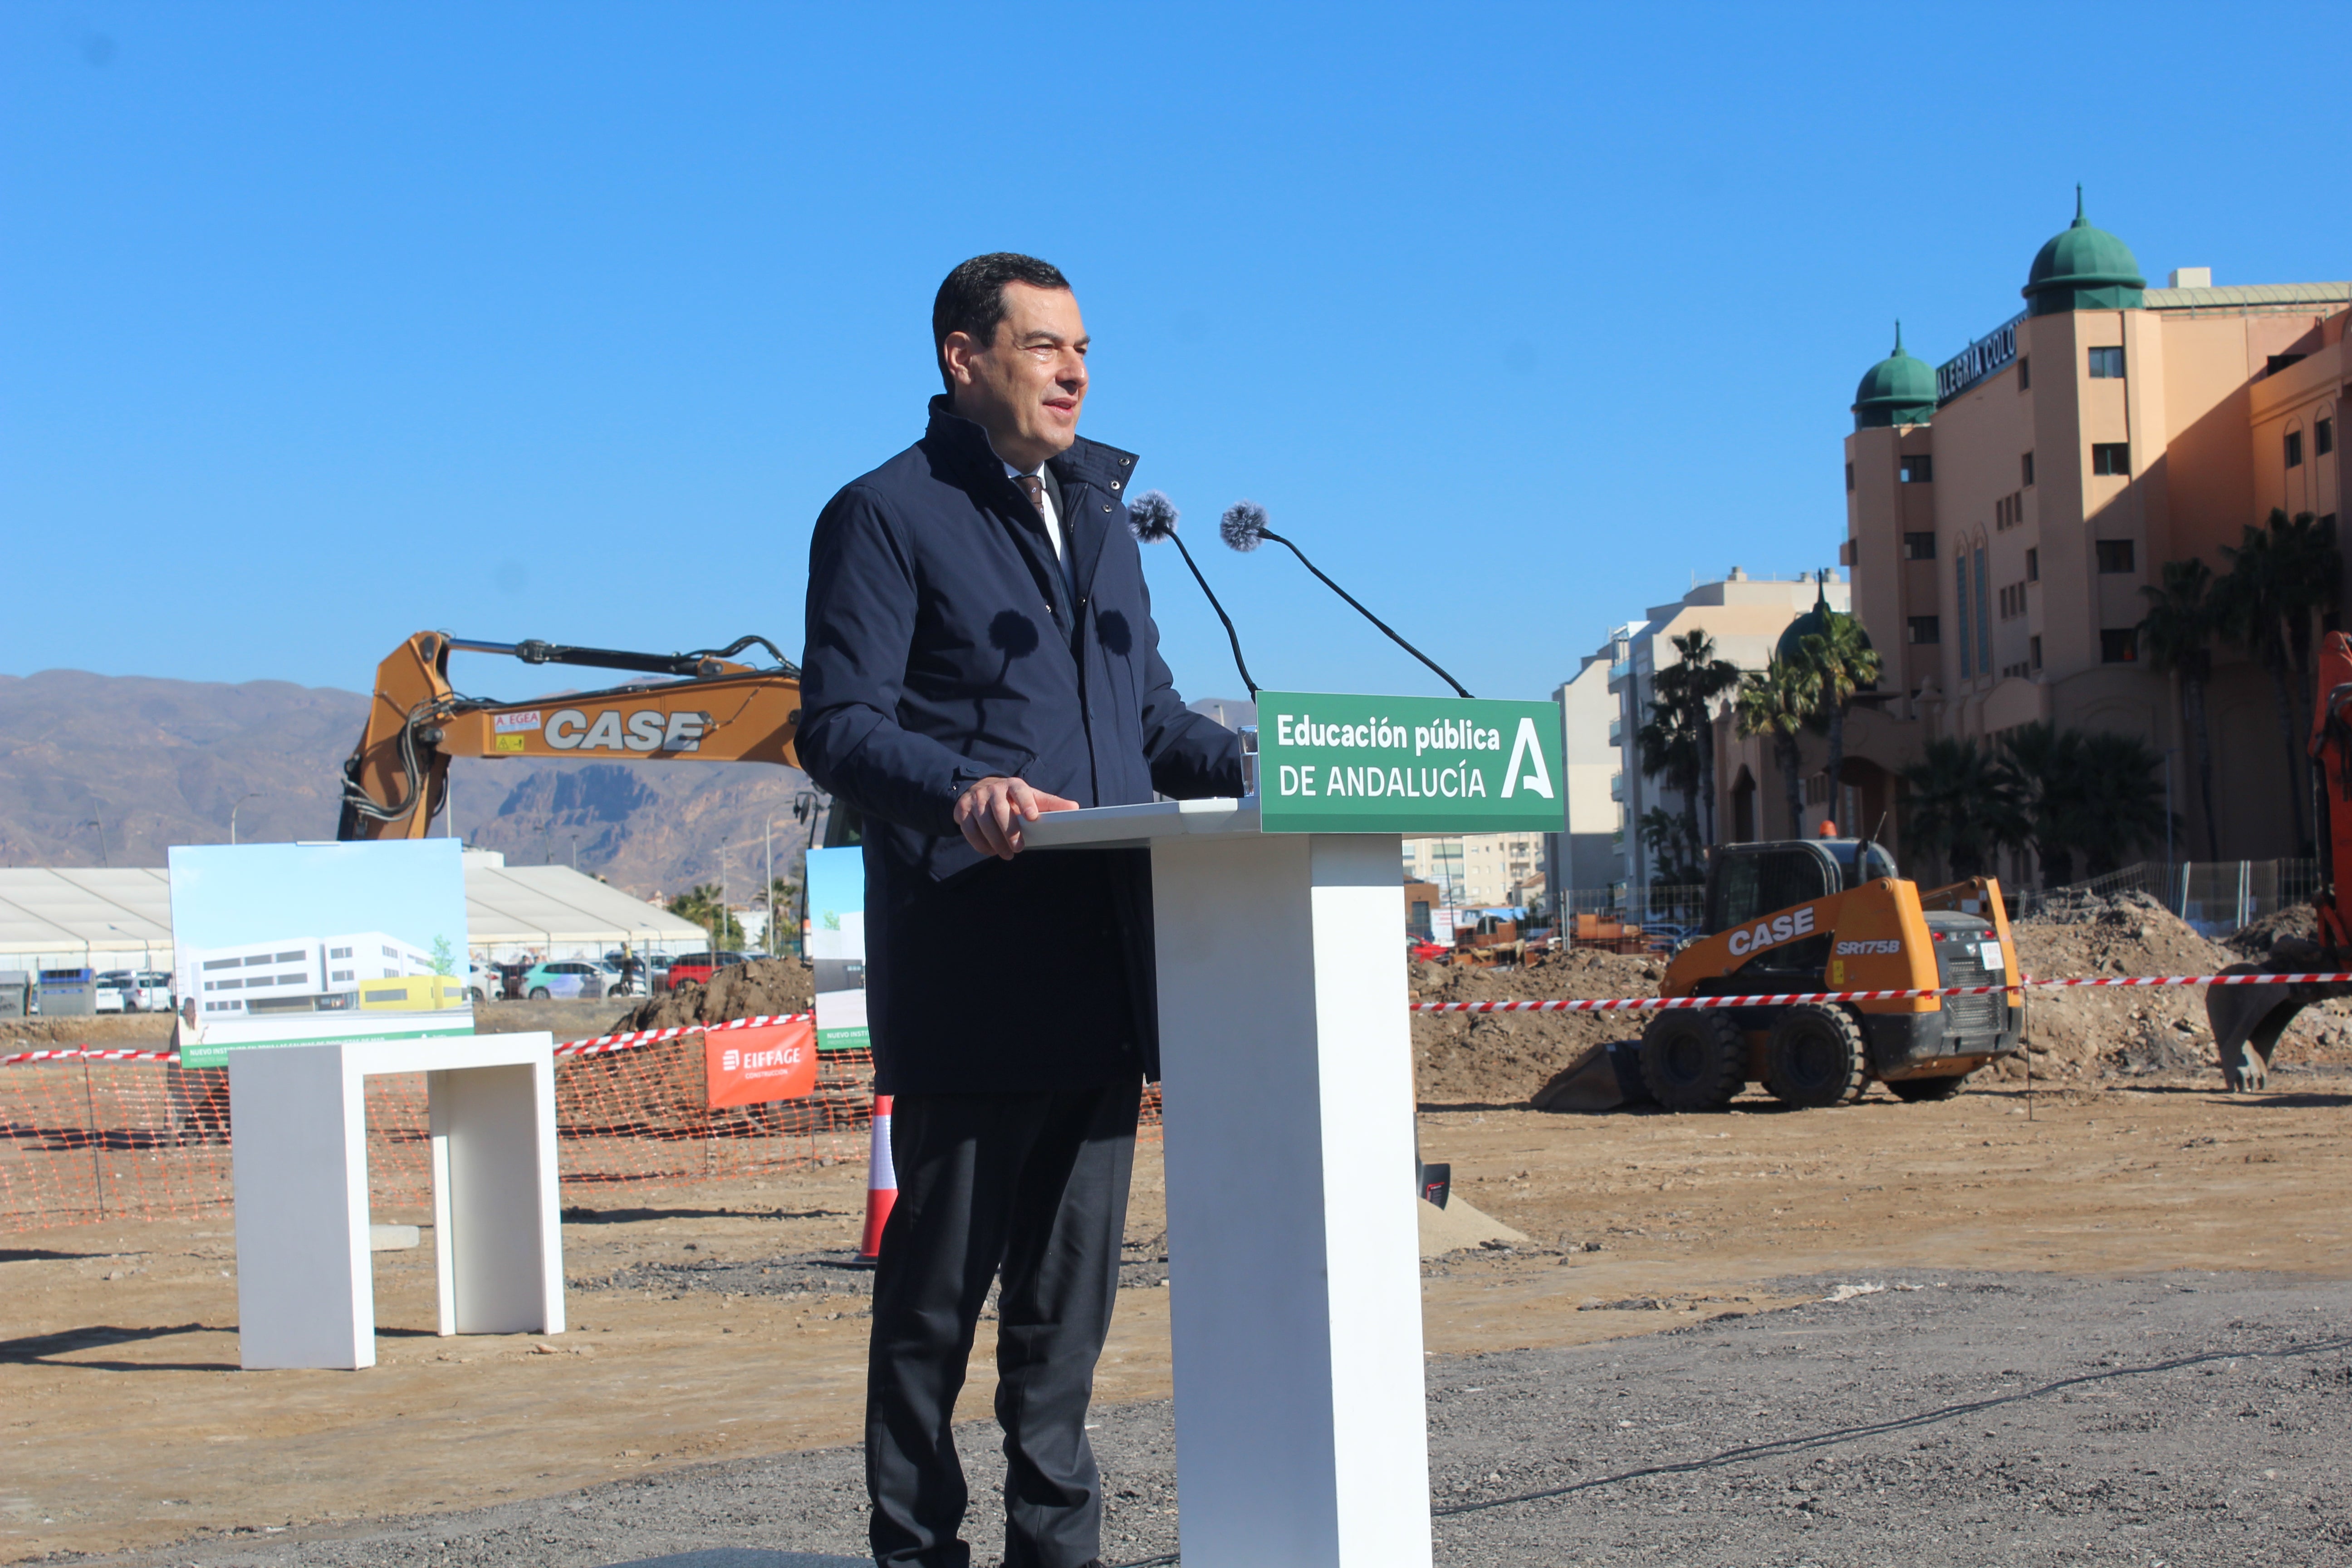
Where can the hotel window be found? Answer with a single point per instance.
(2034, 566)
(1925, 630)
(2106, 364)
(1918, 547)
(2025, 465)
(1849, 479)
(2295, 449)
(1960, 594)
(2119, 646)
(2024, 373)
(2111, 457)
(1984, 622)
(2033, 651)
(2116, 555)
(1919, 469)
(2322, 438)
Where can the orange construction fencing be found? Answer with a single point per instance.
(90, 1135)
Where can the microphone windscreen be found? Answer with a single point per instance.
(1244, 525)
(1152, 516)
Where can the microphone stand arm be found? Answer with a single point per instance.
(1367, 615)
(1230, 636)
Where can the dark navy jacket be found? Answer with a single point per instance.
(944, 645)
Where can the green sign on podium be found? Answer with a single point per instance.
(1330, 763)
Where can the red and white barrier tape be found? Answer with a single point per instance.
(604, 1043)
(88, 1054)
(596, 1047)
(630, 1041)
(1651, 1004)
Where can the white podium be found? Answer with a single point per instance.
(305, 1286)
(1294, 1267)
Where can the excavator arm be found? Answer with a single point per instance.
(2247, 1020)
(710, 709)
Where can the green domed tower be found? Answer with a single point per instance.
(1791, 646)
(2082, 269)
(1898, 390)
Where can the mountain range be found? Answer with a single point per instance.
(112, 770)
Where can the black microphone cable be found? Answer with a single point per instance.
(1153, 517)
(1244, 527)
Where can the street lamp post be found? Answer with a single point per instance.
(254, 794)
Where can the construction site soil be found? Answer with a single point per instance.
(2073, 1035)
(759, 988)
(711, 1381)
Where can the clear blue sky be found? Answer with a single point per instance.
(228, 895)
(321, 325)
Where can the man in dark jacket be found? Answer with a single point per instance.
(980, 649)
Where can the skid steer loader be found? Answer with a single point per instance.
(1833, 914)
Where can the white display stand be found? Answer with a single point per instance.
(305, 1286)
(1294, 1248)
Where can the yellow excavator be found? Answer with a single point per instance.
(1833, 914)
(707, 707)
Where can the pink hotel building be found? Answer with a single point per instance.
(2004, 509)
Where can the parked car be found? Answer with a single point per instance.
(111, 993)
(698, 968)
(484, 982)
(133, 991)
(569, 979)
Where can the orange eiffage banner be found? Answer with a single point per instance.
(753, 1067)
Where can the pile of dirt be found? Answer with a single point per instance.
(756, 989)
(2296, 922)
(1502, 1058)
(142, 1030)
(2105, 1031)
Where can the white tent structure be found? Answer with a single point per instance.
(53, 918)
(556, 912)
(66, 919)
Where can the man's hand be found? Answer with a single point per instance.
(991, 813)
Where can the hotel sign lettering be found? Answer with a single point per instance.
(1978, 360)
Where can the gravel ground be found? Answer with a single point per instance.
(1925, 1418)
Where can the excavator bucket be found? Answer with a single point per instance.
(2247, 1021)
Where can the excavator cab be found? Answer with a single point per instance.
(1833, 914)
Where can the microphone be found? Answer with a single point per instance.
(1244, 528)
(1153, 518)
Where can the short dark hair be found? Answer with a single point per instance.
(971, 301)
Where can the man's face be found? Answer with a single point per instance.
(1025, 388)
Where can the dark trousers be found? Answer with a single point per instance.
(1032, 1186)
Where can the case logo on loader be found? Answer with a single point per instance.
(646, 730)
(1773, 932)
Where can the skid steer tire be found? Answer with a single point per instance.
(1815, 1057)
(1918, 1090)
(1694, 1061)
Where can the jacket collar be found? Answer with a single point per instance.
(1087, 462)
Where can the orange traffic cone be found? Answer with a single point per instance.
(881, 1182)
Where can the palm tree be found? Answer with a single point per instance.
(1777, 701)
(1670, 747)
(2042, 769)
(1672, 853)
(2281, 575)
(707, 908)
(1962, 806)
(1844, 663)
(1700, 678)
(2184, 615)
(2121, 799)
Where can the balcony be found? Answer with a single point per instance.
(1617, 786)
(1616, 732)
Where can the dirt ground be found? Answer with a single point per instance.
(127, 1424)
